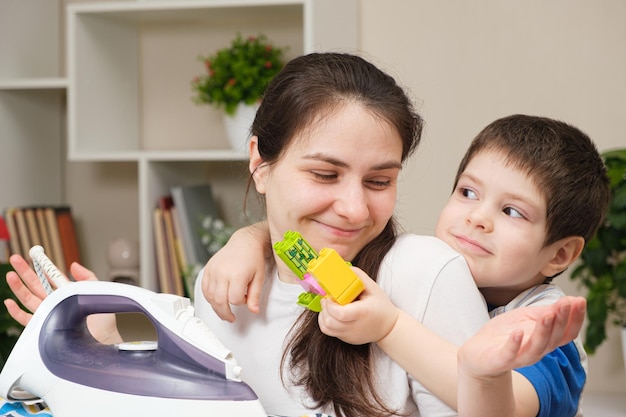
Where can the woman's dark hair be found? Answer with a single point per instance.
(334, 373)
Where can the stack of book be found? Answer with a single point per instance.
(177, 231)
(52, 227)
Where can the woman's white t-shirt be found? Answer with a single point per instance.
(422, 276)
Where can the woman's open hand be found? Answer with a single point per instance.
(27, 288)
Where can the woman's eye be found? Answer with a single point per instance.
(324, 176)
(379, 184)
(466, 192)
(510, 211)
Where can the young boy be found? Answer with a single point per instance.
(528, 194)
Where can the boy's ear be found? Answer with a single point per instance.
(567, 251)
(256, 166)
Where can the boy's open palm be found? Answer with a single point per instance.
(521, 337)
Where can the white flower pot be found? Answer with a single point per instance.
(238, 126)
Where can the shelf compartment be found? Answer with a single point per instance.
(129, 98)
(32, 131)
(130, 67)
(30, 40)
(34, 84)
(228, 181)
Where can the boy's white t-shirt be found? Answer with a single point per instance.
(422, 276)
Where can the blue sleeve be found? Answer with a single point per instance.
(559, 379)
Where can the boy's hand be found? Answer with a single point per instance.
(26, 286)
(369, 318)
(521, 337)
(235, 274)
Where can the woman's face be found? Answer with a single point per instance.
(335, 183)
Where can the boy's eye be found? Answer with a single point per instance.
(513, 213)
(466, 192)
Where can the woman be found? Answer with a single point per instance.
(328, 143)
(327, 146)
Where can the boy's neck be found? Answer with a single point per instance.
(498, 296)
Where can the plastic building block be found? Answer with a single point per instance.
(295, 252)
(310, 301)
(335, 276)
(321, 275)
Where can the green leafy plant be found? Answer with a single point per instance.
(215, 233)
(603, 261)
(238, 73)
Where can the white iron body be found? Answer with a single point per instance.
(187, 372)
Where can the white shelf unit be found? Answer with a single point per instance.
(129, 69)
(32, 103)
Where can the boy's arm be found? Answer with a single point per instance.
(518, 338)
(433, 361)
(373, 318)
(235, 274)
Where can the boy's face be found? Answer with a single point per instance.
(496, 218)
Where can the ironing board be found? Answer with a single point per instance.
(16, 408)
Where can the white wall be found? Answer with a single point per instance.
(468, 63)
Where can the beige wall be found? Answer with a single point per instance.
(466, 64)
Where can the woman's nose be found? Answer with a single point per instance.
(352, 204)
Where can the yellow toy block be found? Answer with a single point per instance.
(335, 276)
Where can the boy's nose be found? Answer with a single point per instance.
(479, 218)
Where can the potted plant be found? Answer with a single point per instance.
(602, 268)
(236, 77)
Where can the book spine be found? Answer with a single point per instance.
(55, 250)
(174, 268)
(33, 229)
(14, 239)
(67, 234)
(22, 231)
(43, 231)
(160, 251)
(186, 234)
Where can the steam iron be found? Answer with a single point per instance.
(187, 371)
